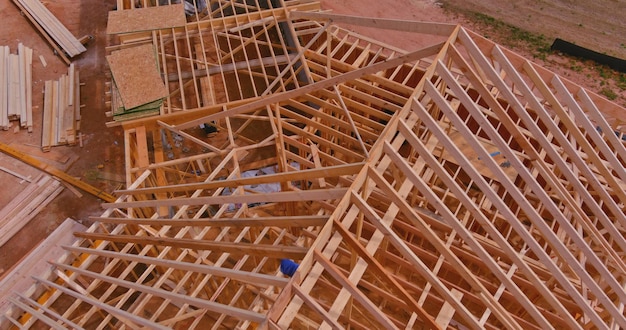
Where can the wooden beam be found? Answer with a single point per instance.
(238, 275)
(57, 173)
(283, 196)
(354, 291)
(124, 316)
(439, 29)
(280, 97)
(378, 268)
(261, 250)
(308, 174)
(283, 222)
(175, 297)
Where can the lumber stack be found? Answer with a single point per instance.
(54, 30)
(61, 111)
(16, 93)
(26, 205)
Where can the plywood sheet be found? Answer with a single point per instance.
(143, 19)
(136, 75)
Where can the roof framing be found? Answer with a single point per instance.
(459, 185)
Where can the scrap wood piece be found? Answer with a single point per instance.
(144, 19)
(16, 174)
(57, 173)
(136, 75)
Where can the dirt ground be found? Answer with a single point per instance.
(101, 146)
(595, 24)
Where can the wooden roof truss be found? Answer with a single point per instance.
(459, 185)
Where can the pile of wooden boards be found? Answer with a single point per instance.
(61, 110)
(52, 29)
(16, 92)
(26, 205)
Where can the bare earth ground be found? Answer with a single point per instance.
(101, 146)
(598, 25)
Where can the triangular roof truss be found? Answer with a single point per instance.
(459, 185)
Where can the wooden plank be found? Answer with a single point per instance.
(331, 269)
(284, 196)
(15, 174)
(4, 54)
(60, 134)
(238, 275)
(136, 75)
(21, 55)
(51, 28)
(145, 19)
(522, 201)
(28, 208)
(236, 248)
(439, 29)
(43, 60)
(283, 222)
(380, 270)
(141, 140)
(56, 172)
(447, 311)
(479, 249)
(316, 307)
(46, 131)
(13, 105)
(29, 89)
(309, 174)
(119, 313)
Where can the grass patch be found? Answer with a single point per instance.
(609, 93)
(512, 36)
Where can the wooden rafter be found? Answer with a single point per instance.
(459, 185)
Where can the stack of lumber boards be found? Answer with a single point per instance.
(26, 205)
(61, 110)
(46, 22)
(16, 93)
(37, 261)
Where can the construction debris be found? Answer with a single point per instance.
(30, 160)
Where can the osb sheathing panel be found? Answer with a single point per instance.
(144, 19)
(136, 75)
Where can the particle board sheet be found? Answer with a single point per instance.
(136, 75)
(144, 19)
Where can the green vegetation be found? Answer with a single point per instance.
(601, 79)
(609, 93)
(512, 35)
